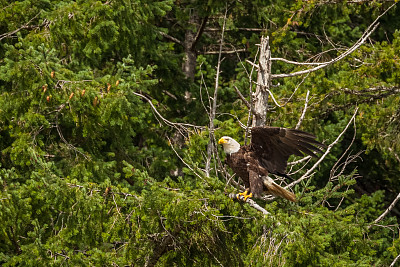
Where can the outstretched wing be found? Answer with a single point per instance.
(273, 145)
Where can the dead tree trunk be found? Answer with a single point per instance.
(189, 62)
(260, 98)
(192, 36)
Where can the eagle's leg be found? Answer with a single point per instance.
(245, 195)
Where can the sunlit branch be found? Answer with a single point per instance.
(371, 28)
(304, 111)
(309, 172)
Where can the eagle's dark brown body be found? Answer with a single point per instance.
(268, 152)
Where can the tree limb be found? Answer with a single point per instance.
(212, 142)
(199, 32)
(363, 38)
(25, 26)
(386, 211)
(371, 28)
(171, 38)
(308, 173)
(249, 201)
(298, 63)
(304, 111)
(394, 261)
(243, 98)
(224, 52)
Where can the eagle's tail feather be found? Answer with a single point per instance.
(277, 190)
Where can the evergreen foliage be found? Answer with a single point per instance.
(95, 170)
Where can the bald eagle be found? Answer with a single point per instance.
(268, 152)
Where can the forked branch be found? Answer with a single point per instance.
(371, 28)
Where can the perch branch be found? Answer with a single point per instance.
(249, 201)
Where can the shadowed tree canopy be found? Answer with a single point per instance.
(110, 112)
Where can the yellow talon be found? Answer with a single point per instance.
(245, 195)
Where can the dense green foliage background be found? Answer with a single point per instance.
(90, 174)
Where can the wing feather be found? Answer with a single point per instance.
(273, 146)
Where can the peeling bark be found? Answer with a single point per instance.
(260, 99)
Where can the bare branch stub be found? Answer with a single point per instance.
(260, 99)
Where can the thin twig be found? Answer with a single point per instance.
(63, 139)
(183, 161)
(304, 111)
(295, 90)
(199, 32)
(177, 125)
(395, 154)
(224, 52)
(249, 106)
(171, 38)
(299, 161)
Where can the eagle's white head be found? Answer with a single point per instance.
(230, 145)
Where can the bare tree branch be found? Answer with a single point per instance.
(295, 90)
(249, 201)
(212, 142)
(243, 98)
(224, 52)
(371, 28)
(176, 125)
(171, 38)
(183, 161)
(298, 63)
(395, 154)
(309, 172)
(345, 54)
(333, 175)
(394, 261)
(373, 92)
(240, 29)
(386, 211)
(25, 26)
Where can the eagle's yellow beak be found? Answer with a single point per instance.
(222, 141)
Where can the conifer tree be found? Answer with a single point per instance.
(105, 123)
